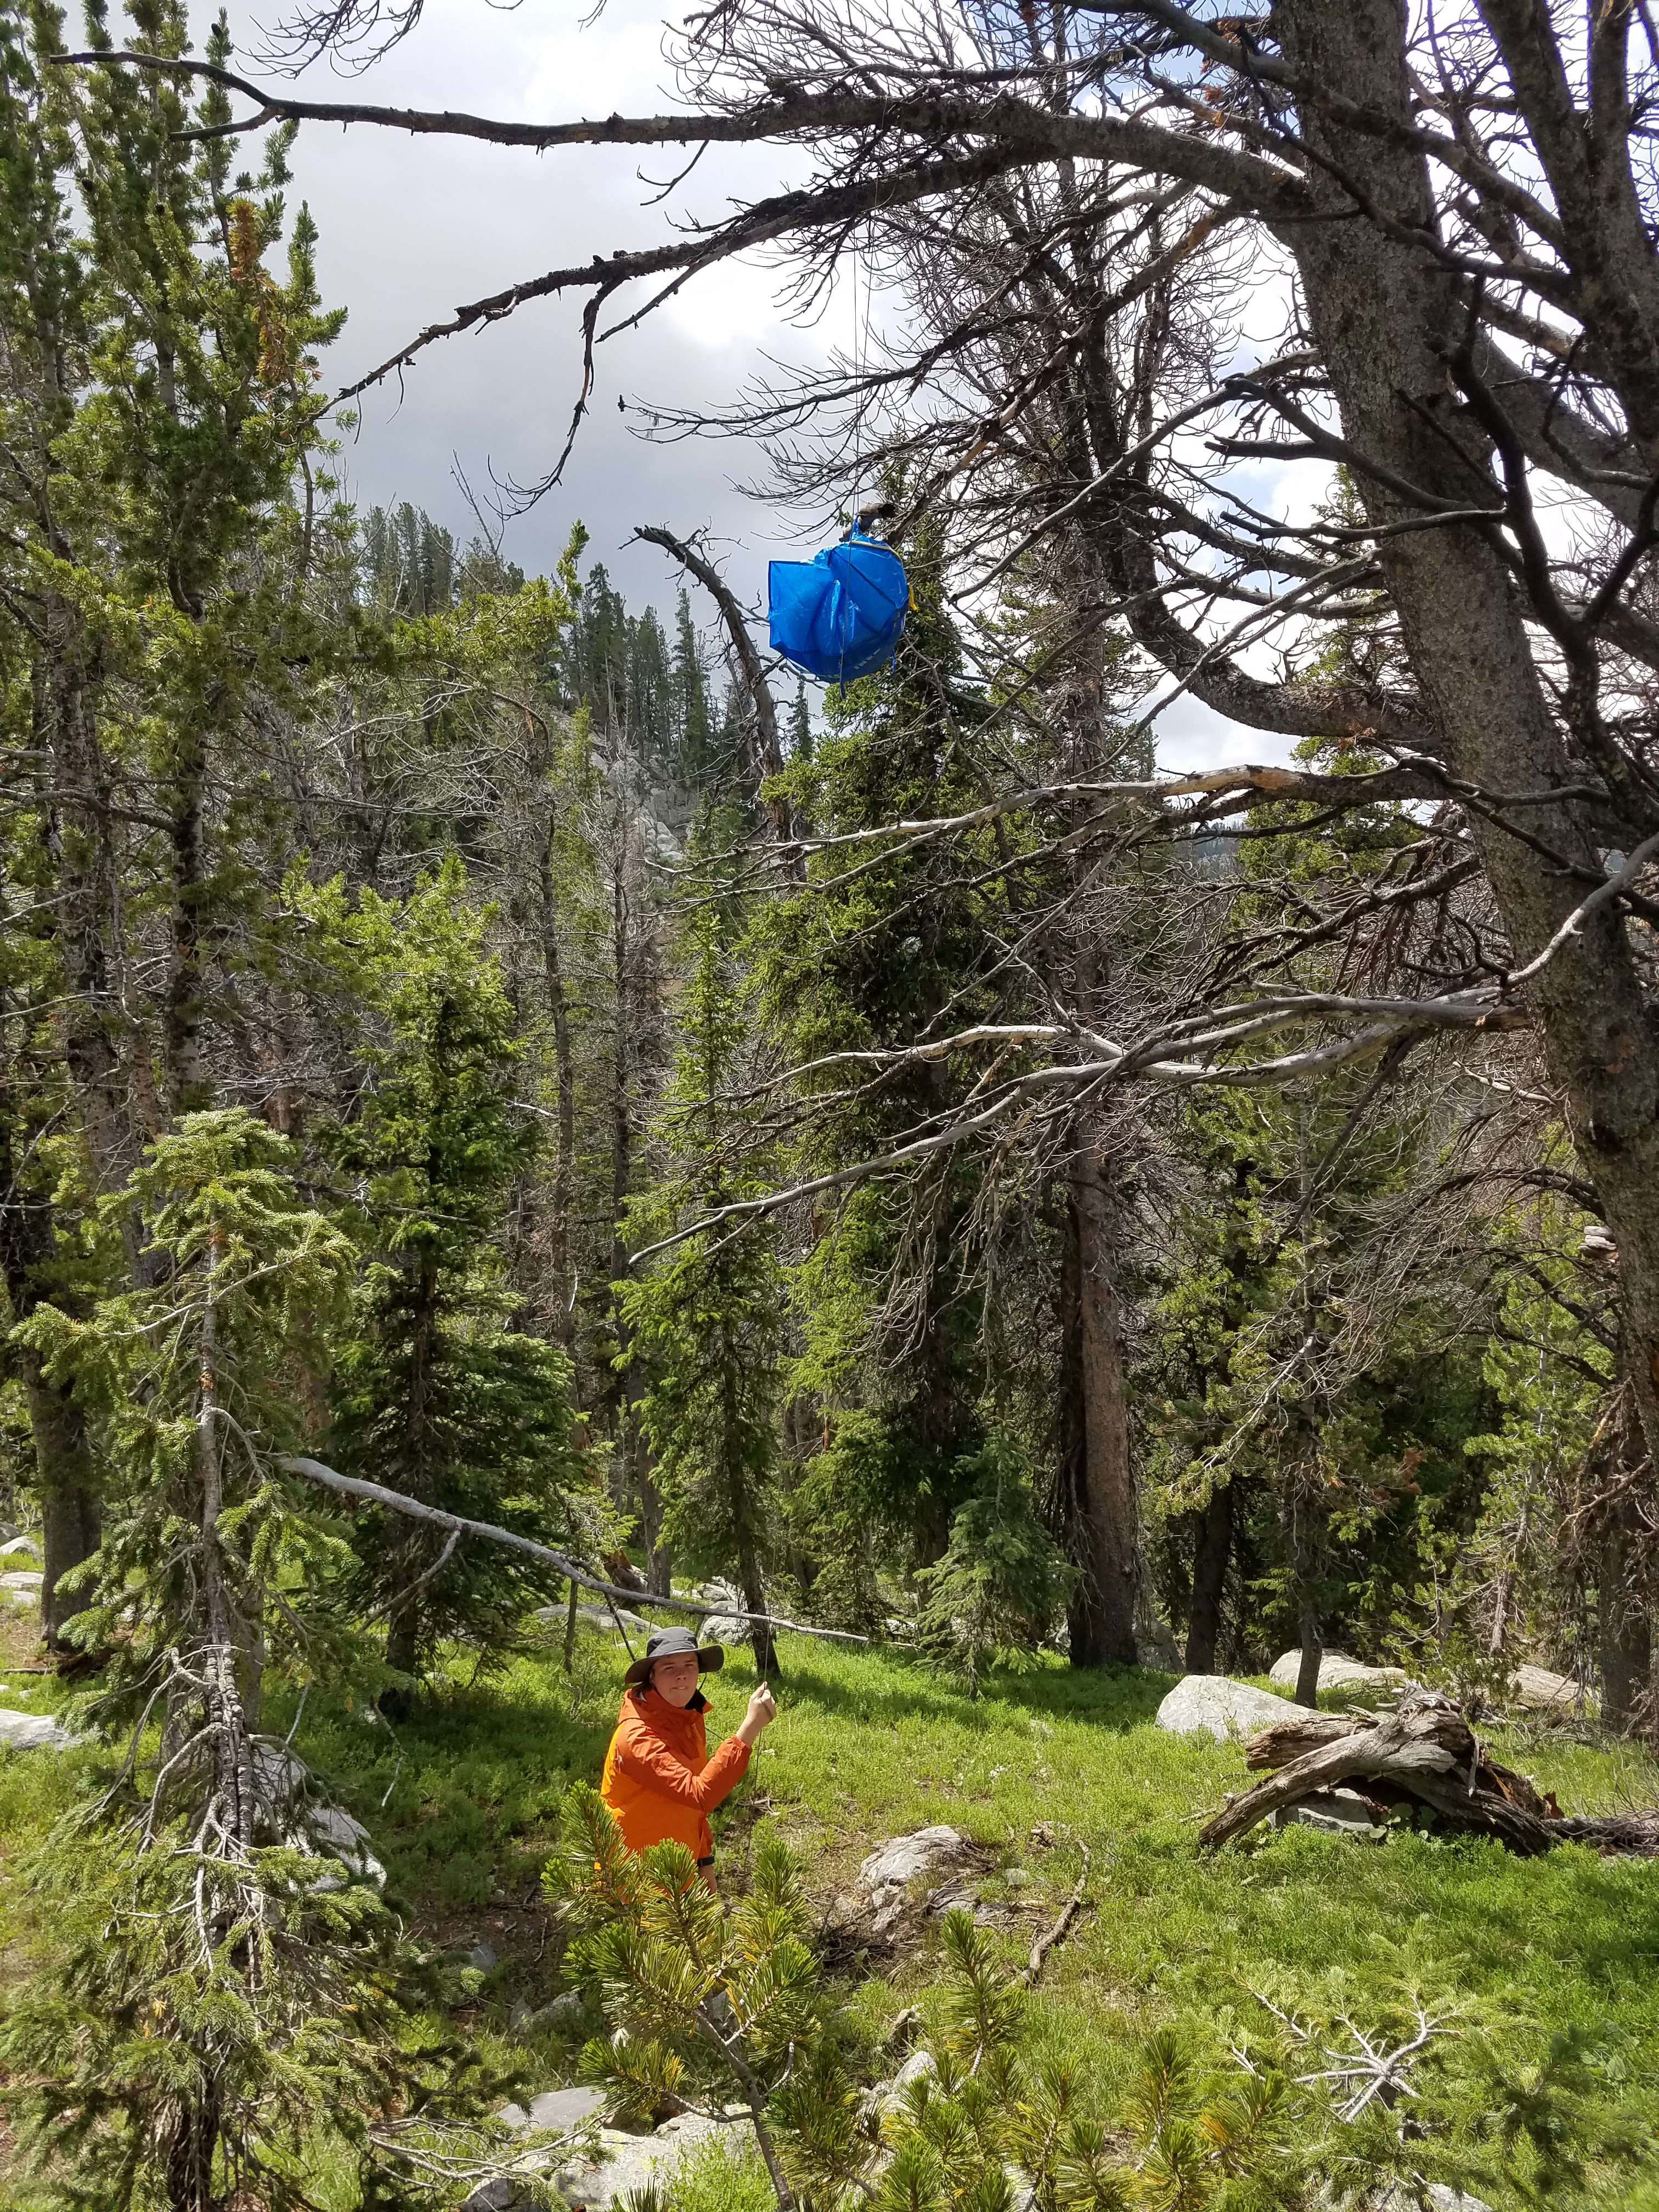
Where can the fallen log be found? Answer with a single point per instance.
(375, 1493)
(1423, 1751)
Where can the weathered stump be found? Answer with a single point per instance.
(1423, 1751)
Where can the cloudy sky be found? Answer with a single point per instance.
(412, 228)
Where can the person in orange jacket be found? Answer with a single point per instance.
(659, 1782)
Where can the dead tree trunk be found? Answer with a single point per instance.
(1626, 1533)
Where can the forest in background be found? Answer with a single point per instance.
(458, 1031)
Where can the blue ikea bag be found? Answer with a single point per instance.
(840, 616)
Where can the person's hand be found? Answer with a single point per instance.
(762, 1712)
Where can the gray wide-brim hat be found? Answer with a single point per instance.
(675, 1643)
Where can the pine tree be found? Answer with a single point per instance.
(702, 2002)
(705, 1320)
(210, 1996)
(435, 1394)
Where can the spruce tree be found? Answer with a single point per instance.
(435, 1394)
(705, 1321)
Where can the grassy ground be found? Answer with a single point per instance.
(464, 1807)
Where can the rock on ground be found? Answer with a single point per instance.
(880, 1898)
(1338, 1672)
(555, 2108)
(1155, 1646)
(629, 2162)
(20, 1548)
(32, 1732)
(723, 1627)
(1538, 1690)
(1335, 1813)
(904, 1858)
(1437, 2196)
(624, 2162)
(293, 1794)
(1218, 1706)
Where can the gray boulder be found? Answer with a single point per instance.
(1338, 1672)
(32, 1732)
(20, 1586)
(595, 1616)
(20, 1548)
(881, 1891)
(1538, 1690)
(629, 2162)
(555, 2108)
(293, 1803)
(1214, 1705)
(1155, 1642)
(723, 1627)
(1397, 2197)
(569, 2013)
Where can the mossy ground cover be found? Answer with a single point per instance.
(464, 1801)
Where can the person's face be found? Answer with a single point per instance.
(675, 1678)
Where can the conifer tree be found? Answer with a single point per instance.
(157, 385)
(705, 1320)
(211, 1996)
(435, 1394)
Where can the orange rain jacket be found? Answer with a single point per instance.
(659, 1782)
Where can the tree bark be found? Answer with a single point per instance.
(1211, 1549)
(64, 683)
(564, 1317)
(403, 1623)
(754, 1599)
(64, 1474)
(1624, 1582)
(1313, 1652)
(1097, 1471)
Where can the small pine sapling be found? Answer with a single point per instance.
(982, 2127)
(704, 2003)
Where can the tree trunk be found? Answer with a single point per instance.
(403, 1623)
(1624, 1582)
(181, 1026)
(564, 1316)
(1097, 1470)
(64, 687)
(754, 1599)
(1388, 320)
(1211, 1551)
(659, 1564)
(63, 1470)
(1313, 1652)
(71, 1512)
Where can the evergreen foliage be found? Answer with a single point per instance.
(705, 1320)
(436, 1394)
(210, 1994)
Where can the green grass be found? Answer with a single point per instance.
(463, 1809)
(867, 1746)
